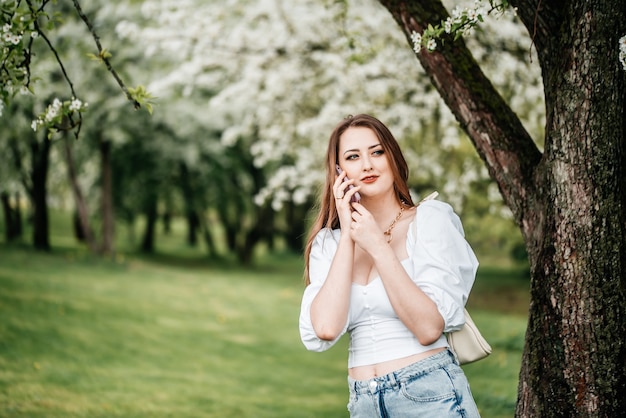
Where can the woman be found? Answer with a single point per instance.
(395, 276)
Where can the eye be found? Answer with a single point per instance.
(352, 157)
(378, 152)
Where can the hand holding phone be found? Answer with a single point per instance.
(356, 197)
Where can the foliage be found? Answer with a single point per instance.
(247, 96)
(24, 23)
(276, 88)
(460, 23)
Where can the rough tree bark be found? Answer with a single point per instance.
(569, 201)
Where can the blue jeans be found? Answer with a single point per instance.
(434, 387)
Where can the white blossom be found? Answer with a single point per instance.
(53, 110)
(416, 38)
(279, 81)
(75, 105)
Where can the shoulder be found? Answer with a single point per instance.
(326, 240)
(434, 209)
(323, 251)
(326, 234)
(435, 214)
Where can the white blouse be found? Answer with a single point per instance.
(440, 262)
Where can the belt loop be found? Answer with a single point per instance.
(394, 381)
(454, 356)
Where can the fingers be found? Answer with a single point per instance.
(338, 187)
(363, 228)
(344, 188)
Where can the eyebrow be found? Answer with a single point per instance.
(357, 150)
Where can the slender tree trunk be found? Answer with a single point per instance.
(79, 199)
(208, 236)
(40, 154)
(167, 221)
(187, 189)
(569, 202)
(108, 217)
(193, 224)
(17, 212)
(147, 243)
(295, 216)
(79, 233)
(11, 218)
(263, 229)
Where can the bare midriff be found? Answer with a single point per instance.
(386, 367)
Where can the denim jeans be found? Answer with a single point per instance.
(434, 387)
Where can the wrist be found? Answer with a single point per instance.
(380, 249)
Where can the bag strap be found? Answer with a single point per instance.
(431, 196)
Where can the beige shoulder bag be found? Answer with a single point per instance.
(467, 343)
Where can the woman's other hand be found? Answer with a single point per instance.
(364, 230)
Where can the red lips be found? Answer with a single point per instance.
(370, 179)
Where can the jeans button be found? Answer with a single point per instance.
(373, 385)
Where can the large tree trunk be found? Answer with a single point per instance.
(574, 363)
(570, 201)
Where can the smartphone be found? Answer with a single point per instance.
(356, 197)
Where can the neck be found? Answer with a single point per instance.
(383, 210)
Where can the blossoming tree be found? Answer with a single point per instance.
(568, 199)
(273, 80)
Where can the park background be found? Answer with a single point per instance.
(168, 277)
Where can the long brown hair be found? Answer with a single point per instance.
(327, 216)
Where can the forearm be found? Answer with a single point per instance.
(329, 310)
(413, 307)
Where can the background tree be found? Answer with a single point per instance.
(568, 200)
(255, 146)
(272, 81)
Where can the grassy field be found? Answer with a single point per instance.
(182, 336)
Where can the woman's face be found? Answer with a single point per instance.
(362, 157)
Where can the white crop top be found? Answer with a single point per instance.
(440, 262)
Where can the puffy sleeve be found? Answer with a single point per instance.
(444, 264)
(322, 254)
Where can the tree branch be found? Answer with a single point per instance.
(41, 33)
(102, 55)
(498, 135)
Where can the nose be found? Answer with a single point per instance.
(367, 163)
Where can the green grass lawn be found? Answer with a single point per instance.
(149, 337)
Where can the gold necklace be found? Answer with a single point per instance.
(388, 231)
